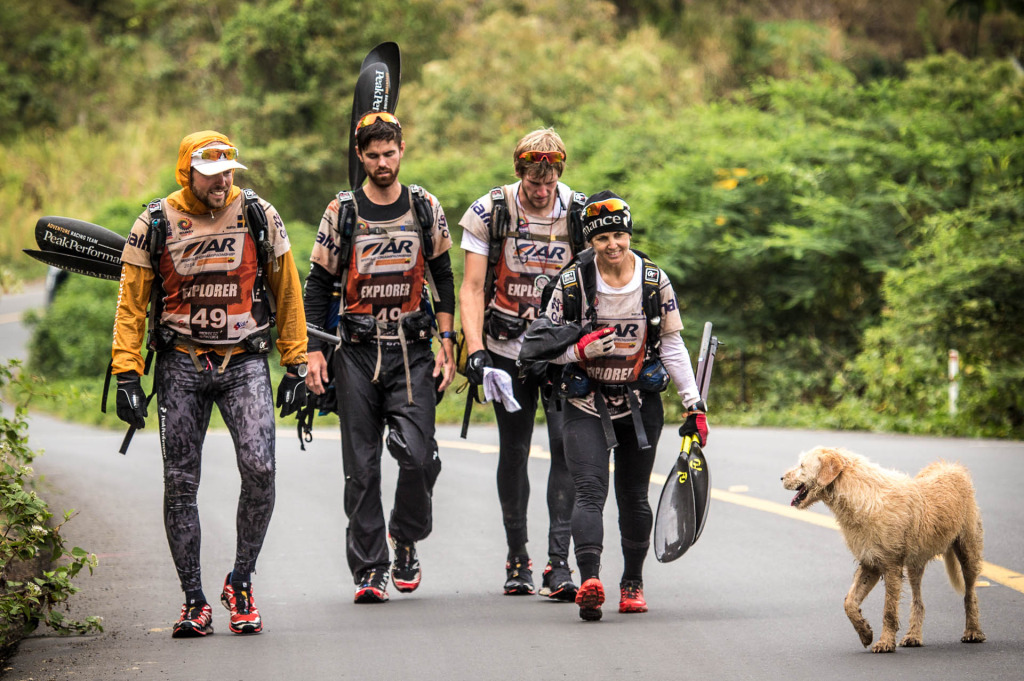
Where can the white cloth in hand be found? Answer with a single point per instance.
(498, 387)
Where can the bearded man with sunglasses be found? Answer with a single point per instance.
(506, 269)
(381, 254)
(211, 278)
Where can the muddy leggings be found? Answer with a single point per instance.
(587, 454)
(185, 398)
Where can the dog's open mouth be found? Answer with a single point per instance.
(801, 494)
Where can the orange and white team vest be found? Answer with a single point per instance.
(209, 275)
(386, 274)
(533, 251)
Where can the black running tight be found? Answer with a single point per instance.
(587, 455)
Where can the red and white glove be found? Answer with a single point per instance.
(696, 423)
(596, 343)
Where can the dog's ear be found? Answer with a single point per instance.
(831, 466)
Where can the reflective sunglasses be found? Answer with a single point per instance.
(594, 209)
(551, 157)
(215, 154)
(374, 116)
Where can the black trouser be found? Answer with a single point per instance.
(587, 455)
(515, 430)
(185, 398)
(365, 407)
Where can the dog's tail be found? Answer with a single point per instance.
(953, 571)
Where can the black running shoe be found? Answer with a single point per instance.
(405, 571)
(519, 576)
(556, 582)
(373, 586)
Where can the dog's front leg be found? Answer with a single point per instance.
(893, 577)
(864, 581)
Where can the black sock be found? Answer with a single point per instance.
(196, 597)
(633, 564)
(519, 551)
(589, 565)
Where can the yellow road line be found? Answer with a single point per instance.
(10, 317)
(1001, 575)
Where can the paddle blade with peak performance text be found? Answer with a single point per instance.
(376, 90)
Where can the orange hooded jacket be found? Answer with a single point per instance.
(137, 282)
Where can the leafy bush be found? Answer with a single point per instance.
(962, 289)
(36, 567)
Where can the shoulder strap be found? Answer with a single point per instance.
(574, 221)
(424, 218)
(579, 280)
(157, 234)
(651, 287)
(500, 220)
(157, 237)
(259, 230)
(346, 227)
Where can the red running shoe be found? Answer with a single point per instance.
(631, 596)
(590, 597)
(245, 618)
(195, 621)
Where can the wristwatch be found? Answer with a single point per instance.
(299, 369)
(450, 335)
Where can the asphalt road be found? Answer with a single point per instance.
(758, 597)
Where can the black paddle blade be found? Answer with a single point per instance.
(389, 54)
(376, 90)
(69, 236)
(675, 523)
(73, 263)
(700, 476)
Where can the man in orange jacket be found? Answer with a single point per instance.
(220, 263)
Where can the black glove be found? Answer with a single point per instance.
(475, 364)
(291, 394)
(696, 423)
(131, 400)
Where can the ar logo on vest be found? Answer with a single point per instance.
(533, 253)
(387, 254)
(387, 248)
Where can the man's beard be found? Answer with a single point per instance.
(386, 181)
(211, 203)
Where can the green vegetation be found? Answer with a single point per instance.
(36, 567)
(835, 188)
